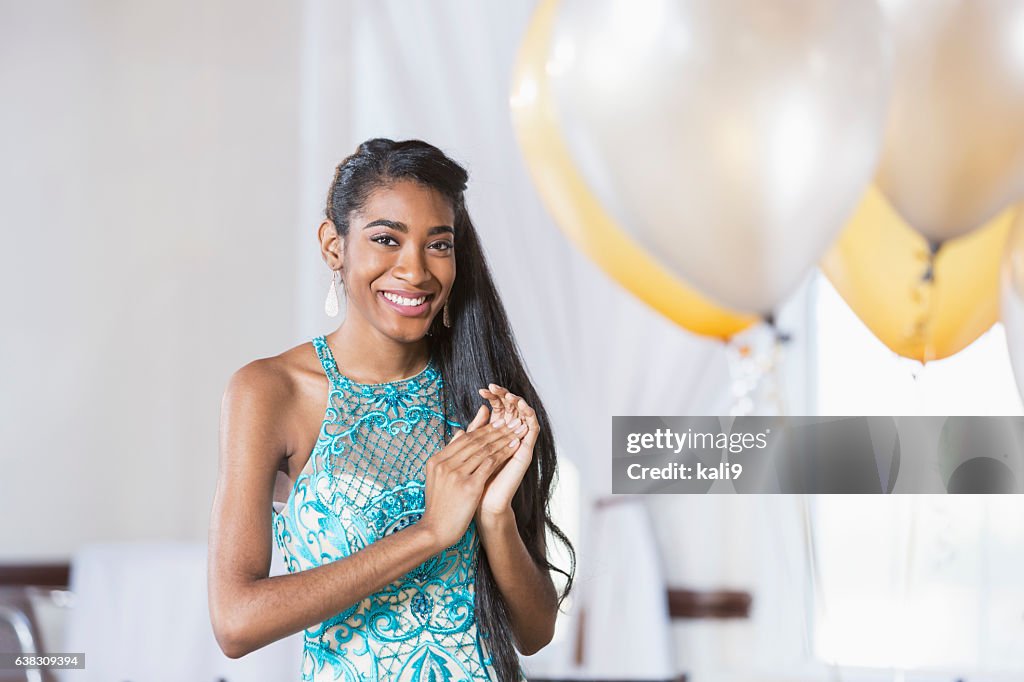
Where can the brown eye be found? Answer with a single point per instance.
(379, 237)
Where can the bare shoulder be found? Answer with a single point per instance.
(277, 396)
(265, 381)
(274, 379)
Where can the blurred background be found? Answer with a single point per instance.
(654, 183)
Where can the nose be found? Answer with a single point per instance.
(411, 266)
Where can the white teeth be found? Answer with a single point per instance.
(404, 301)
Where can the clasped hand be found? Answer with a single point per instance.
(476, 475)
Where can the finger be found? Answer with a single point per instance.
(454, 447)
(500, 406)
(484, 473)
(486, 461)
(511, 402)
(507, 398)
(525, 412)
(462, 444)
(497, 406)
(485, 439)
(517, 405)
(496, 391)
(504, 444)
(492, 457)
(483, 415)
(533, 432)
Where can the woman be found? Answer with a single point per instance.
(415, 547)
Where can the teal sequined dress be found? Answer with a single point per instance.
(364, 480)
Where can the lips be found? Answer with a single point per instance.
(407, 298)
(405, 304)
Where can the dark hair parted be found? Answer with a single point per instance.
(479, 348)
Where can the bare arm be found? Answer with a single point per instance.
(248, 609)
(527, 588)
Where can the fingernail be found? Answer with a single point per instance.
(500, 422)
(514, 423)
(521, 430)
(514, 442)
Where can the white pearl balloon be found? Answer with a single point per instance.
(954, 146)
(731, 138)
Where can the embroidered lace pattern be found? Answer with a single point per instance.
(365, 480)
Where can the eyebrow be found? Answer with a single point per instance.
(402, 227)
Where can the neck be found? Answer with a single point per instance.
(367, 356)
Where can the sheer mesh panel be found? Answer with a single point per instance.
(396, 428)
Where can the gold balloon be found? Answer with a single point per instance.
(578, 213)
(879, 266)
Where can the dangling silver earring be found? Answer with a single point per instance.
(444, 315)
(331, 304)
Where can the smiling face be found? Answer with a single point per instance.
(398, 265)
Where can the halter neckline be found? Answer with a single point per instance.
(331, 366)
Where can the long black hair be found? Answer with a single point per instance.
(479, 348)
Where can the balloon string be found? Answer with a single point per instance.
(929, 348)
(922, 293)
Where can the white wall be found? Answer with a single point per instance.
(148, 204)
